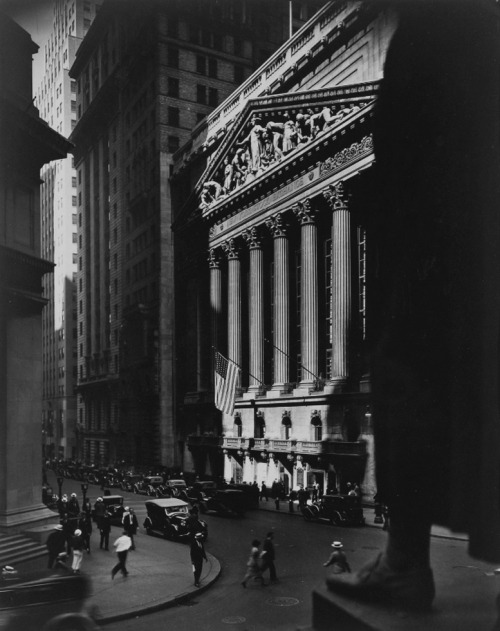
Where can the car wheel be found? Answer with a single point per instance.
(71, 622)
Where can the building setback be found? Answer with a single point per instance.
(56, 100)
(146, 75)
(272, 261)
(27, 143)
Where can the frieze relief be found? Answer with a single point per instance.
(266, 143)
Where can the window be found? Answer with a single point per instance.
(286, 428)
(173, 57)
(238, 429)
(239, 74)
(316, 429)
(201, 94)
(173, 116)
(213, 97)
(212, 68)
(172, 27)
(73, 200)
(193, 34)
(173, 143)
(173, 87)
(200, 64)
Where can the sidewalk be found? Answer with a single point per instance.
(369, 513)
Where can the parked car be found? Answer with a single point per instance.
(129, 481)
(114, 506)
(168, 517)
(339, 510)
(44, 601)
(201, 489)
(251, 494)
(177, 486)
(229, 502)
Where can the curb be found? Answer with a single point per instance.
(213, 575)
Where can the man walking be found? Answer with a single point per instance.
(104, 529)
(197, 556)
(268, 557)
(122, 545)
(56, 544)
(130, 524)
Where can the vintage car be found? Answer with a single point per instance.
(44, 600)
(129, 482)
(227, 502)
(176, 487)
(114, 506)
(200, 490)
(339, 510)
(169, 517)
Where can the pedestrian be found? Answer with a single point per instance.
(315, 491)
(77, 547)
(104, 530)
(435, 324)
(130, 524)
(122, 545)
(338, 559)
(99, 509)
(263, 492)
(85, 525)
(73, 508)
(56, 544)
(193, 523)
(268, 557)
(197, 557)
(253, 565)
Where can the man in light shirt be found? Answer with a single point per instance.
(122, 545)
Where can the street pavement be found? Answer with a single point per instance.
(160, 573)
(160, 576)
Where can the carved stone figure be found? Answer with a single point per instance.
(255, 142)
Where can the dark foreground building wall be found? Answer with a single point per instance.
(26, 144)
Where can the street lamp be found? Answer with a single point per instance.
(84, 491)
(60, 480)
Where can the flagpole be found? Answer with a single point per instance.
(237, 365)
(289, 357)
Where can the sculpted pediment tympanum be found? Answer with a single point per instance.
(270, 130)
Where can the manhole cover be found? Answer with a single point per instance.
(233, 620)
(283, 602)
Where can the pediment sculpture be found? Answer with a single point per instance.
(267, 142)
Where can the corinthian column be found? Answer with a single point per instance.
(341, 285)
(215, 303)
(256, 310)
(281, 288)
(309, 293)
(234, 343)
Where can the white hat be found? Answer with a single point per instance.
(8, 569)
(127, 508)
(65, 497)
(58, 527)
(337, 544)
(99, 499)
(73, 494)
(78, 532)
(199, 535)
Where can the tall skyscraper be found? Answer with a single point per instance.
(56, 100)
(146, 74)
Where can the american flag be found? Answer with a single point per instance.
(226, 376)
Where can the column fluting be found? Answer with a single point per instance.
(215, 304)
(256, 310)
(234, 341)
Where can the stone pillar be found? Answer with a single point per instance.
(341, 285)
(309, 294)
(281, 292)
(234, 343)
(256, 310)
(215, 304)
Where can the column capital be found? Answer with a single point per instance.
(214, 258)
(277, 226)
(304, 213)
(231, 249)
(336, 196)
(253, 237)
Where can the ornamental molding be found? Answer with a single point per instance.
(335, 196)
(348, 155)
(214, 258)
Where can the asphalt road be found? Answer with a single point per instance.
(301, 549)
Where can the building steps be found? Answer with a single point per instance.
(16, 549)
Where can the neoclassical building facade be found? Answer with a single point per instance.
(273, 262)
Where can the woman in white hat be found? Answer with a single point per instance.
(77, 546)
(337, 559)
